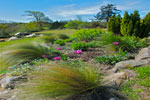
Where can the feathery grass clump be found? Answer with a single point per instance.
(27, 52)
(63, 80)
(48, 38)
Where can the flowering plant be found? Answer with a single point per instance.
(78, 51)
(57, 58)
(59, 48)
(116, 43)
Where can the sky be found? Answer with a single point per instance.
(13, 10)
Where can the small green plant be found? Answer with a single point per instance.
(68, 40)
(144, 75)
(79, 46)
(63, 36)
(62, 80)
(94, 44)
(48, 38)
(87, 34)
(64, 57)
(109, 59)
(60, 42)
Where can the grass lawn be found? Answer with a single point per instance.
(61, 31)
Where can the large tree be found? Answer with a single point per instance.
(106, 12)
(38, 17)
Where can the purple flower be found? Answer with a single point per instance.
(44, 56)
(59, 48)
(57, 58)
(78, 51)
(116, 43)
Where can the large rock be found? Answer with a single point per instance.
(132, 63)
(12, 38)
(9, 81)
(20, 34)
(1, 40)
(115, 79)
(143, 54)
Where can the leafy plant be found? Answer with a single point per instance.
(94, 44)
(112, 59)
(79, 46)
(87, 34)
(59, 81)
(49, 38)
(60, 42)
(63, 36)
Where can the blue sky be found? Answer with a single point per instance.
(13, 10)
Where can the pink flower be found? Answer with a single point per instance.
(78, 51)
(57, 58)
(59, 48)
(116, 43)
(44, 56)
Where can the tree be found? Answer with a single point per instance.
(106, 12)
(38, 17)
(75, 24)
(125, 24)
(146, 23)
(113, 24)
(3, 32)
(32, 27)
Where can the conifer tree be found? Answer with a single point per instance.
(146, 24)
(125, 24)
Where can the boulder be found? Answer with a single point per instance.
(1, 40)
(20, 34)
(31, 35)
(9, 81)
(12, 38)
(143, 54)
(115, 79)
(132, 63)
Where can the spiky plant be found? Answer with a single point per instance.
(63, 80)
(27, 52)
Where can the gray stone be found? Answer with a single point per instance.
(132, 63)
(2, 40)
(20, 34)
(143, 54)
(112, 99)
(12, 38)
(115, 79)
(9, 81)
(31, 35)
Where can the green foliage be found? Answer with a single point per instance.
(61, 80)
(87, 34)
(131, 93)
(63, 36)
(106, 12)
(48, 38)
(60, 42)
(32, 27)
(113, 24)
(68, 40)
(3, 32)
(79, 46)
(75, 24)
(144, 75)
(27, 52)
(146, 25)
(109, 59)
(126, 43)
(64, 57)
(94, 44)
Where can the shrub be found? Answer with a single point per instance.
(79, 46)
(48, 38)
(126, 43)
(94, 44)
(63, 36)
(60, 42)
(109, 59)
(28, 52)
(68, 40)
(61, 80)
(87, 34)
